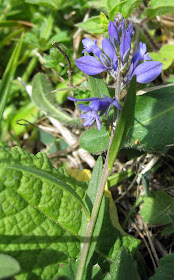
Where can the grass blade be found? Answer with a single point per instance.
(8, 77)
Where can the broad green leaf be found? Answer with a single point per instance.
(60, 37)
(124, 267)
(95, 141)
(158, 208)
(165, 56)
(8, 266)
(160, 7)
(98, 86)
(124, 123)
(8, 77)
(152, 108)
(40, 221)
(168, 229)
(112, 3)
(154, 113)
(47, 3)
(93, 25)
(46, 101)
(125, 8)
(30, 169)
(165, 270)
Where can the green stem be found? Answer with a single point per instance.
(96, 207)
(29, 69)
(91, 224)
(137, 202)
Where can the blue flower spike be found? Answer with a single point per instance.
(116, 47)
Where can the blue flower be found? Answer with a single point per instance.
(102, 61)
(97, 105)
(90, 117)
(115, 49)
(91, 47)
(145, 72)
(118, 45)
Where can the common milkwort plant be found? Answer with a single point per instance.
(53, 226)
(113, 58)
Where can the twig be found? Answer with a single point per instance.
(145, 242)
(148, 167)
(64, 151)
(142, 237)
(43, 61)
(61, 79)
(149, 236)
(128, 189)
(68, 60)
(72, 140)
(140, 25)
(160, 247)
(77, 36)
(69, 88)
(146, 32)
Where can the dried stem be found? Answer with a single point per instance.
(69, 88)
(68, 60)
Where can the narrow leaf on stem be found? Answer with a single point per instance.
(124, 123)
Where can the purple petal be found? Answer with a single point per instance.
(89, 122)
(116, 104)
(98, 124)
(140, 55)
(130, 29)
(106, 62)
(113, 32)
(108, 48)
(90, 47)
(147, 57)
(99, 105)
(125, 44)
(84, 108)
(147, 71)
(80, 99)
(90, 65)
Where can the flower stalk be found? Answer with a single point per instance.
(97, 204)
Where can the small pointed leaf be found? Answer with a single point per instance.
(124, 123)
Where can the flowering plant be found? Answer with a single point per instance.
(114, 58)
